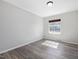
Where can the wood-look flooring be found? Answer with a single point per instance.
(38, 51)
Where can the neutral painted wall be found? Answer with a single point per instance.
(18, 26)
(69, 30)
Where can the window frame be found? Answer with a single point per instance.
(56, 21)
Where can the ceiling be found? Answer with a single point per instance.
(40, 8)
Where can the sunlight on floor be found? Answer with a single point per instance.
(51, 44)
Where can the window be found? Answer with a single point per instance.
(54, 26)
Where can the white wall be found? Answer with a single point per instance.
(69, 30)
(18, 26)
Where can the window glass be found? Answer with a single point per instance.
(54, 27)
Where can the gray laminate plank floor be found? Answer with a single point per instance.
(43, 50)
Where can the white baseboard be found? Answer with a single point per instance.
(19, 46)
(61, 41)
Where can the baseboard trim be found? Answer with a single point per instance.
(62, 41)
(18, 46)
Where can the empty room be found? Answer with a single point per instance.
(38, 29)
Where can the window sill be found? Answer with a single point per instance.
(54, 32)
